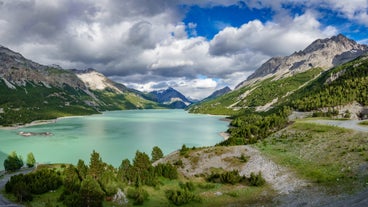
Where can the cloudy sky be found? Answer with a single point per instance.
(192, 45)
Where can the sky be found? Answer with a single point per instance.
(193, 46)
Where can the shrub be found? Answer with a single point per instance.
(166, 170)
(256, 180)
(187, 186)
(231, 177)
(184, 150)
(181, 197)
(13, 162)
(139, 195)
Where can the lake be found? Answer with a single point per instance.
(116, 135)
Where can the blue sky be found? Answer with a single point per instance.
(194, 46)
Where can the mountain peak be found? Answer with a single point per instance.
(171, 97)
(218, 93)
(323, 53)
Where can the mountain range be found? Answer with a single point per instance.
(285, 81)
(30, 91)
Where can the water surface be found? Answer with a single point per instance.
(115, 135)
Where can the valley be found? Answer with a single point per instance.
(287, 145)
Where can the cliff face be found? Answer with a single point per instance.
(323, 53)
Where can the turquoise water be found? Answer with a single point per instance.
(115, 135)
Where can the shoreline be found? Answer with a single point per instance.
(225, 135)
(34, 123)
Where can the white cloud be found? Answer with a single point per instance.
(144, 43)
(204, 83)
(270, 38)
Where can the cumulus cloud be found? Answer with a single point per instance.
(270, 38)
(145, 44)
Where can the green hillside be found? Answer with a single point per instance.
(308, 91)
(258, 94)
(350, 83)
(37, 102)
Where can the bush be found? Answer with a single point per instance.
(187, 186)
(139, 195)
(38, 182)
(181, 197)
(166, 170)
(231, 177)
(13, 162)
(256, 180)
(184, 150)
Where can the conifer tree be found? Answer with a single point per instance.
(156, 154)
(31, 161)
(91, 193)
(96, 166)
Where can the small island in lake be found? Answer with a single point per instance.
(28, 134)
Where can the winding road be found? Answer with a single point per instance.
(3, 180)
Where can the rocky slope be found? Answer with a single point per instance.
(218, 93)
(171, 97)
(323, 53)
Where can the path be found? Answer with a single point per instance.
(349, 124)
(3, 180)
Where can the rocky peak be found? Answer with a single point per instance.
(95, 80)
(324, 53)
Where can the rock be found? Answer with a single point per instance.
(120, 198)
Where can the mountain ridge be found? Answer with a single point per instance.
(30, 91)
(324, 53)
(171, 98)
(269, 87)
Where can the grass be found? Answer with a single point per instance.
(364, 123)
(327, 155)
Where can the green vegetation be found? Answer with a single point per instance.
(364, 123)
(37, 102)
(13, 162)
(31, 161)
(39, 182)
(249, 128)
(258, 94)
(350, 84)
(156, 154)
(140, 183)
(326, 155)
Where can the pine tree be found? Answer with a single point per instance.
(91, 193)
(31, 161)
(96, 166)
(156, 154)
(82, 169)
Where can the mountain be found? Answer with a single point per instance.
(30, 91)
(281, 80)
(323, 53)
(111, 95)
(218, 93)
(171, 97)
